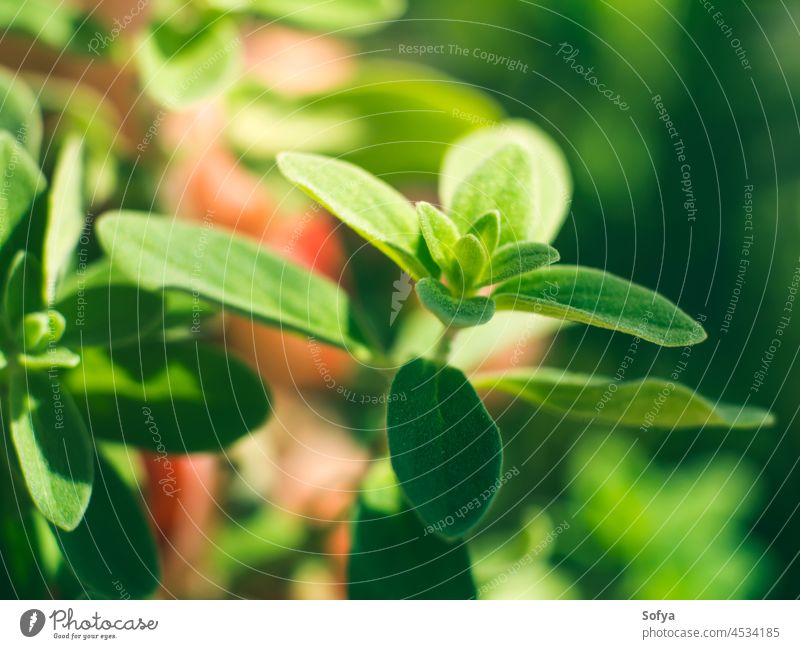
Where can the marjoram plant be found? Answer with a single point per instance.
(89, 361)
(504, 192)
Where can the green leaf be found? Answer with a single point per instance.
(515, 259)
(104, 307)
(550, 185)
(393, 556)
(162, 253)
(471, 259)
(181, 397)
(355, 16)
(500, 182)
(365, 203)
(19, 112)
(40, 328)
(50, 358)
(601, 299)
(65, 218)
(53, 446)
(112, 551)
(487, 229)
(651, 402)
(445, 448)
(23, 289)
(180, 64)
(453, 311)
(22, 182)
(440, 234)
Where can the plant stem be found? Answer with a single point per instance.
(443, 346)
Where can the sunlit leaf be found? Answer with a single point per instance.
(161, 253)
(439, 232)
(502, 182)
(550, 184)
(53, 446)
(487, 229)
(65, 219)
(601, 299)
(368, 205)
(515, 259)
(471, 259)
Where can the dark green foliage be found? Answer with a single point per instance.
(445, 448)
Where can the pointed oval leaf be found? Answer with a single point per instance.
(394, 556)
(23, 181)
(453, 311)
(53, 446)
(601, 299)
(445, 448)
(487, 229)
(515, 259)
(179, 397)
(19, 112)
(161, 253)
(500, 182)
(471, 258)
(376, 211)
(113, 549)
(65, 216)
(440, 234)
(550, 184)
(656, 403)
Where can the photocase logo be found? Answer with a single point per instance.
(31, 622)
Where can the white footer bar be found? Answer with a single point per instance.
(386, 625)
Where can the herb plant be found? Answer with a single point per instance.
(89, 361)
(504, 194)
